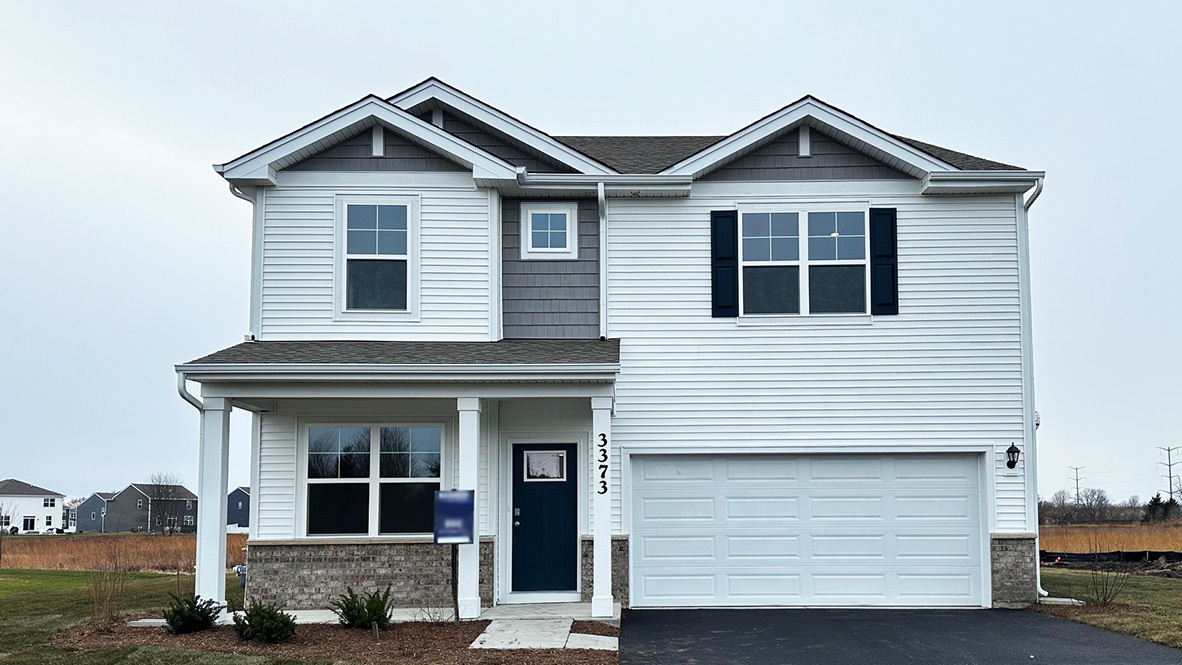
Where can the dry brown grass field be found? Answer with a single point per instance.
(129, 551)
(1111, 537)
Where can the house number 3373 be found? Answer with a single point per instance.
(601, 460)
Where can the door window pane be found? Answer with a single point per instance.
(837, 289)
(771, 290)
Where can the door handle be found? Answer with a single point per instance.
(516, 523)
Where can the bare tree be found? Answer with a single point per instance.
(1094, 505)
(7, 515)
(165, 502)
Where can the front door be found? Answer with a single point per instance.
(545, 517)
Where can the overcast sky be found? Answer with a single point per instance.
(124, 254)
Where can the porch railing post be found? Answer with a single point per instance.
(602, 602)
(469, 458)
(213, 469)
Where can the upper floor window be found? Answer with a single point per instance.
(376, 257)
(828, 277)
(549, 231)
(139, 504)
(48, 503)
(376, 263)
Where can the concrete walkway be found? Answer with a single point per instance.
(539, 634)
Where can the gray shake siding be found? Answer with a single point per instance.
(495, 145)
(550, 299)
(781, 160)
(356, 154)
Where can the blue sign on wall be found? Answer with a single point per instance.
(454, 512)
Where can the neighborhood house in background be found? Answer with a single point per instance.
(780, 367)
(238, 509)
(140, 507)
(26, 508)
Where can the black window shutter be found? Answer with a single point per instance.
(884, 261)
(724, 263)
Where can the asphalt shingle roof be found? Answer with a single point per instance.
(653, 154)
(165, 491)
(14, 487)
(504, 352)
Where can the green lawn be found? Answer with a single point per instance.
(1149, 608)
(36, 604)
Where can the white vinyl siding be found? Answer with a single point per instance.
(945, 372)
(275, 494)
(296, 298)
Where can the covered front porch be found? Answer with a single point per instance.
(350, 442)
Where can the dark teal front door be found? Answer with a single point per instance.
(545, 517)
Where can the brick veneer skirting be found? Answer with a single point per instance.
(1015, 568)
(619, 568)
(298, 576)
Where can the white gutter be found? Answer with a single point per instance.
(1034, 196)
(611, 185)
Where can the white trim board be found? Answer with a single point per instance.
(499, 121)
(259, 166)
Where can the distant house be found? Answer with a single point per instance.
(92, 511)
(70, 514)
(25, 507)
(144, 507)
(238, 507)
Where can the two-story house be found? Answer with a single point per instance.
(150, 508)
(92, 512)
(786, 366)
(29, 508)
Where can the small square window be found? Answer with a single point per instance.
(549, 231)
(545, 466)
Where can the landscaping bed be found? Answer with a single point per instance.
(417, 642)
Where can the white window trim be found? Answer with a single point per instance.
(802, 211)
(374, 480)
(568, 253)
(340, 255)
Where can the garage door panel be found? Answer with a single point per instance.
(745, 508)
(795, 530)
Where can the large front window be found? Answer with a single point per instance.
(373, 480)
(828, 277)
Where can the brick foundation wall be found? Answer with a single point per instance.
(619, 568)
(298, 576)
(1015, 569)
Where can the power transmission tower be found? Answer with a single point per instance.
(1077, 479)
(1169, 464)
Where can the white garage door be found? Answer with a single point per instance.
(757, 530)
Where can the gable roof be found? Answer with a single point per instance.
(258, 166)
(418, 96)
(14, 487)
(105, 496)
(244, 489)
(175, 492)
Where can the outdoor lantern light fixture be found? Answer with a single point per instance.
(1012, 455)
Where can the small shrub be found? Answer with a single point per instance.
(190, 614)
(372, 609)
(107, 583)
(265, 623)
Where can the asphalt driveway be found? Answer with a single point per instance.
(878, 637)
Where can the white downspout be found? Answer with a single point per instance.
(602, 261)
(1032, 449)
(184, 392)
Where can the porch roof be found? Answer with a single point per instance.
(508, 352)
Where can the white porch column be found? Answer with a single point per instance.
(211, 499)
(602, 603)
(469, 452)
